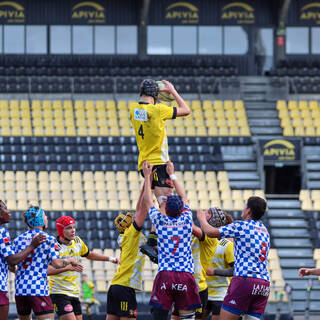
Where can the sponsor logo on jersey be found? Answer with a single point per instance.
(140, 114)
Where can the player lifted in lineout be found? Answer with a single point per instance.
(148, 120)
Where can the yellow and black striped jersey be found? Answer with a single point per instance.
(68, 282)
(221, 259)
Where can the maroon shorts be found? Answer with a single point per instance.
(175, 287)
(247, 296)
(38, 304)
(4, 298)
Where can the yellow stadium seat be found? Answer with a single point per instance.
(225, 194)
(237, 195)
(20, 185)
(190, 131)
(114, 204)
(288, 131)
(234, 131)
(202, 195)
(238, 104)
(285, 122)
(310, 132)
(222, 176)
(221, 122)
(228, 104)
(299, 131)
(5, 130)
(223, 131)
(295, 113)
(211, 176)
(227, 204)
(196, 104)
(259, 193)
(303, 104)
(244, 131)
(315, 114)
(91, 204)
(304, 194)
(292, 104)
(11, 204)
(307, 122)
(199, 176)
(306, 114)
(307, 205)
(217, 104)
(297, 122)
(315, 195)
(27, 131)
(283, 113)
(316, 205)
(213, 131)
(207, 104)
(148, 285)
(9, 176)
(20, 176)
(68, 204)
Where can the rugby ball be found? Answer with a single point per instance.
(163, 95)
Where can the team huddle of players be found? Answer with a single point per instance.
(194, 267)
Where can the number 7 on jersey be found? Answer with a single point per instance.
(175, 240)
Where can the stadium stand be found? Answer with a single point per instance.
(63, 118)
(303, 76)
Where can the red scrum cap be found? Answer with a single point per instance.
(63, 222)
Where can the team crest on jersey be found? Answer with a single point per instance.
(140, 115)
(6, 241)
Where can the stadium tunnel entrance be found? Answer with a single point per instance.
(282, 179)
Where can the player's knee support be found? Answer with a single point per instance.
(159, 314)
(188, 316)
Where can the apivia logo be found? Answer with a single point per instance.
(140, 115)
(12, 12)
(183, 12)
(311, 12)
(238, 12)
(281, 150)
(89, 12)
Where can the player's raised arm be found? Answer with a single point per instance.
(147, 194)
(197, 232)
(141, 208)
(178, 186)
(183, 109)
(206, 227)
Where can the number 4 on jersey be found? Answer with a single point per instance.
(140, 132)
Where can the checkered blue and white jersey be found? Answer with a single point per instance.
(174, 240)
(31, 275)
(5, 251)
(251, 247)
